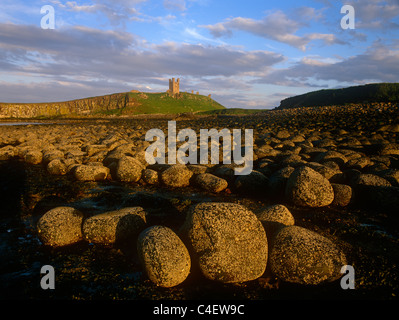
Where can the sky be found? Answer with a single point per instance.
(246, 54)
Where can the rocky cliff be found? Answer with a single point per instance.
(370, 93)
(127, 103)
(75, 107)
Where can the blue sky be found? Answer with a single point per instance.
(247, 54)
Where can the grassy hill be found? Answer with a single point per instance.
(153, 103)
(118, 104)
(379, 92)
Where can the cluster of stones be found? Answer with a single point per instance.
(312, 169)
(227, 242)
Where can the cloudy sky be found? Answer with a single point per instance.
(248, 54)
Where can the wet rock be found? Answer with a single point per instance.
(60, 226)
(114, 226)
(342, 194)
(129, 169)
(302, 256)
(227, 240)
(211, 182)
(90, 172)
(164, 256)
(308, 188)
(176, 176)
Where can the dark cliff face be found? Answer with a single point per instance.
(74, 107)
(379, 92)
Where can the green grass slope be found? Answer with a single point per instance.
(162, 103)
(117, 104)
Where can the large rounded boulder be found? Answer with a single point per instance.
(308, 188)
(60, 226)
(228, 241)
(114, 226)
(302, 256)
(164, 256)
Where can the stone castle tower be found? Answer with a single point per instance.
(174, 87)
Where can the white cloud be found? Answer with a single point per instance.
(379, 63)
(80, 54)
(275, 26)
(179, 5)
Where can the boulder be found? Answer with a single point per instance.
(114, 226)
(52, 154)
(90, 172)
(254, 183)
(301, 256)
(33, 156)
(276, 213)
(57, 167)
(176, 176)
(368, 179)
(308, 188)
(164, 256)
(278, 181)
(7, 152)
(335, 156)
(129, 169)
(60, 226)
(211, 182)
(228, 241)
(342, 194)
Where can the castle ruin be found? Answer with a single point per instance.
(174, 87)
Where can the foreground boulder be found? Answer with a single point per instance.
(164, 256)
(228, 241)
(114, 226)
(308, 188)
(60, 226)
(302, 256)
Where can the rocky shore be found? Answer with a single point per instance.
(323, 193)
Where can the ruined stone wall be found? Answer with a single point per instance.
(174, 86)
